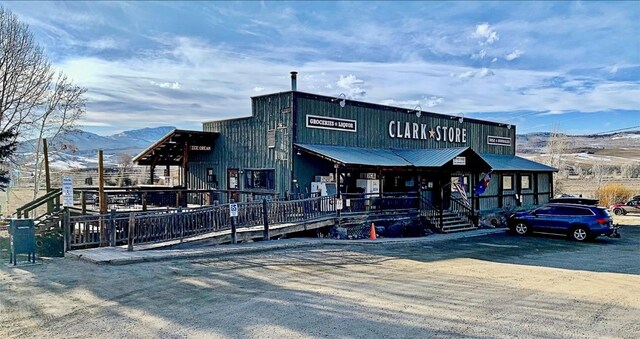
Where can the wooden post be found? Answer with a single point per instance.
(181, 221)
(234, 235)
(101, 195)
(83, 202)
(265, 217)
(102, 198)
(112, 227)
(144, 201)
(66, 224)
(47, 174)
(132, 227)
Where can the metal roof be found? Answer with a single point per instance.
(169, 150)
(514, 163)
(356, 155)
(435, 157)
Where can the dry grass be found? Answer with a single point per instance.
(613, 193)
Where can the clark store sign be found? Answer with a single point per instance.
(417, 131)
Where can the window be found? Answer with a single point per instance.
(507, 182)
(260, 179)
(464, 184)
(211, 178)
(525, 182)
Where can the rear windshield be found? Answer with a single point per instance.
(602, 212)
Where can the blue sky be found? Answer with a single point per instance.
(571, 66)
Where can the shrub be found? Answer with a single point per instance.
(613, 193)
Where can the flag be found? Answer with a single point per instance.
(482, 184)
(459, 186)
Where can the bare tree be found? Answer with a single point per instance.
(25, 74)
(59, 114)
(556, 148)
(33, 101)
(599, 170)
(125, 166)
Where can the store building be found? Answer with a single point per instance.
(295, 144)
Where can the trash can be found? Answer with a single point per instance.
(22, 233)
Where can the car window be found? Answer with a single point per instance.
(562, 210)
(580, 211)
(543, 210)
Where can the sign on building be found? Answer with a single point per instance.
(67, 191)
(233, 210)
(336, 124)
(499, 141)
(459, 161)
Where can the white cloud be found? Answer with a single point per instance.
(352, 85)
(614, 69)
(434, 101)
(102, 44)
(128, 90)
(494, 59)
(258, 89)
(479, 73)
(479, 55)
(514, 55)
(487, 33)
(169, 85)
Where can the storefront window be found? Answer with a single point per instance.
(525, 182)
(507, 182)
(260, 179)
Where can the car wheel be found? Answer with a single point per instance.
(618, 211)
(522, 228)
(580, 233)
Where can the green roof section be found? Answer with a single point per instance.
(515, 163)
(436, 157)
(418, 157)
(357, 156)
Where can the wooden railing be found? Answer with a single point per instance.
(138, 227)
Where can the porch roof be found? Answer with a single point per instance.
(386, 157)
(170, 149)
(500, 162)
(356, 155)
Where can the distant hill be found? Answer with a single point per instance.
(535, 143)
(82, 147)
(78, 148)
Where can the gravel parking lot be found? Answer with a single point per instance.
(491, 286)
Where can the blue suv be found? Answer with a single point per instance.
(580, 222)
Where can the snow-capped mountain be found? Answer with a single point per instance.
(78, 148)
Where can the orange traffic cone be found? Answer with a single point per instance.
(372, 233)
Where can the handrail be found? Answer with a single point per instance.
(39, 201)
(468, 211)
(439, 211)
(462, 204)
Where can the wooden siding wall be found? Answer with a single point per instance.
(543, 186)
(494, 196)
(242, 142)
(373, 126)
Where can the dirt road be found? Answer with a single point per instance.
(490, 286)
